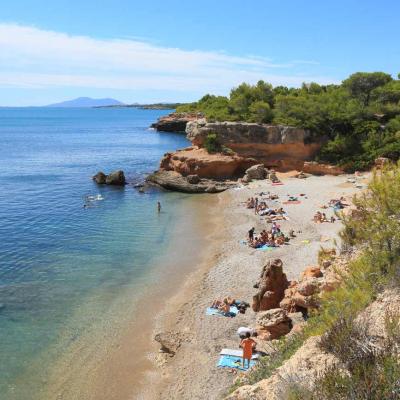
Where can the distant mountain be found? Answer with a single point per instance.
(87, 102)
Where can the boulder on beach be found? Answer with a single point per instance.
(172, 180)
(255, 172)
(272, 286)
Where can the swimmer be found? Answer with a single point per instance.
(158, 206)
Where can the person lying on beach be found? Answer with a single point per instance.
(248, 345)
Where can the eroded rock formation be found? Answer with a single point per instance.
(175, 122)
(271, 287)
(197, 161)
(276, 146)
(173, 180)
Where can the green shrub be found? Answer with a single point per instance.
(359, 117)
(211, 143)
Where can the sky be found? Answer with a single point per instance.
(160, 51)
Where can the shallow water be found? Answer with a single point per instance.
(63, 267)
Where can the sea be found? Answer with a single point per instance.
(64, 265)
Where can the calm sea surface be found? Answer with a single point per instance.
(55, 255)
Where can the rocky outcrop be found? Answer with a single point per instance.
(116, 178)
(256, 172)
(271, 287)
(173, 180)
(175, 122)
(197, 161)
(315, 168)
(100, 178)
(276, 146)
(273, 324)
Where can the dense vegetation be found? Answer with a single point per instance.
(360, 117)
(373, 370)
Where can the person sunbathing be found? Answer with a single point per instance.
(225, 307)
(220, 303)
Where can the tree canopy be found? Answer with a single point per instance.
(360, 117)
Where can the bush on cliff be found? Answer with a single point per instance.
(360, 117)
(211, 143)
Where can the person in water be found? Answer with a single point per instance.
(248, 345)
(158, 206)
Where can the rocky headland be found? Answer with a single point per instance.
(175, 122)
(241, 146)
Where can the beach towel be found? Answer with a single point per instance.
(214, 311)
(243, 241)
(306, 241)
(237, 353)
(292, 202)
(265, 248)
(227, 361)
(277, 183)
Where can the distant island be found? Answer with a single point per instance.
(87, 102)
(154, 106)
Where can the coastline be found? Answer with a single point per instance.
(232, 270)
(116, 364)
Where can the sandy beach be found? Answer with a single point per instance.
(231, 268)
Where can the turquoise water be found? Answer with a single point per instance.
(55, 255)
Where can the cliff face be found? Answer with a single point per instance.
(276, 146)
(197, 161)
(175, 122)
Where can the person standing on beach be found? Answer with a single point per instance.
(158, 206)
(251, 234)
(248, 345)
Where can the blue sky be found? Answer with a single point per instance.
(177, 51)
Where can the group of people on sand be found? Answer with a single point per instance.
(225, 305)
(273, 237)
(320, 217)
(261, 207)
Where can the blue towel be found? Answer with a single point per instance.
(213, 311)
(234, 362)
(265, 248)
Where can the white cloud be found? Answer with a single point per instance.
(36, 58)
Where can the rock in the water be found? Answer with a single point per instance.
(100, 178)
(116, 178)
